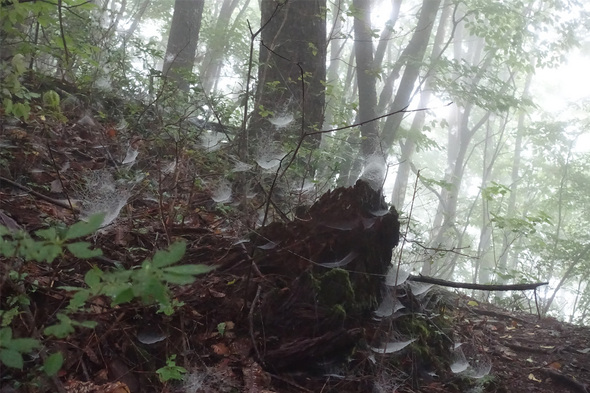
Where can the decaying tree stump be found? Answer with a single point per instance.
(323, 273)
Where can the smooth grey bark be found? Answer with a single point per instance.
(387, 31)
(366, 77)
(507, 239)
(336, 44)
(136, 19)
(557, 236)
(486, 257)
(408, 147)
(459, 136)
(216, 50)
(182, 41)
(413, 58)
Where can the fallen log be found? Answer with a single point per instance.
(483, 287)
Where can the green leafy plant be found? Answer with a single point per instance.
(171, 371)
(12, 349)
(148, 282)
(16, 98)
(50, 243)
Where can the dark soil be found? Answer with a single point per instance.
(265, 320)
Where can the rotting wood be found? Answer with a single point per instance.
(320, 274)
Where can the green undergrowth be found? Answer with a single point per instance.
(27, 350)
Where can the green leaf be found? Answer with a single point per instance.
(168, 257)
(51, 99)
(177, 279)
(192, 270)
(124, 296)
(7, 248)
(84, 228)
(153, 289)
(24, 345)
(11, 358)
(19, 63)
(4, 231)
(78, 299)
(82, 250)
(5, 336)
(47, 234)
(8, 316)
(48, 252)
(53, 363)
(62, 329)
(88, 324)
(93, 277)
(221, 328)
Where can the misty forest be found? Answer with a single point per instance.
(294, 196)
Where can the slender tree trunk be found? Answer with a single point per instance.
(409, 146)
(413, 58)
(136, 19)
(507, 238)
(486, 256)
(336, 48)
(568, 273)
(387, 32)
(211, 65)
(365, 75)
(182, 42)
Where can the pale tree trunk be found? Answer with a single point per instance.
(387, 31)
(119, 14)
(568, 274)
(136, 19)
(583, 280)
(486, 256)
(351, 167)
(558, 230)
(408, 147)
(459, 138)
(336, 48)
(182, 42)
(365, 75)
(507, 238)
(412, 57)
(216, 50)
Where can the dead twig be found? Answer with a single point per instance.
(39, 195)
(251, 322)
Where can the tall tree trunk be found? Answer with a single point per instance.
(211, 65)
(136, 19)
(387, 32)
(336, 48)
(486, 256)
(413, 58)
(365, 75)
(507, 238)
(293, 42)
(182, 42)
(409, 146)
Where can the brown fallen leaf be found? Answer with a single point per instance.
(220, 349)
(72, 386)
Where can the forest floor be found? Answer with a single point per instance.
(213, 331)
